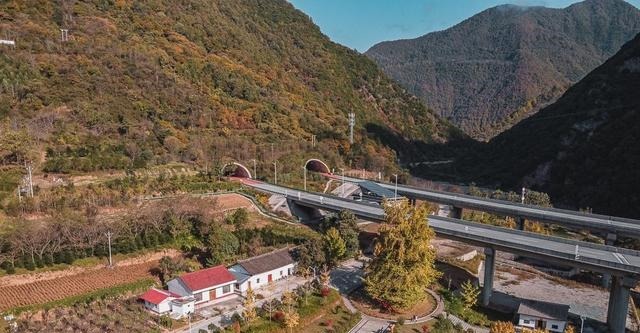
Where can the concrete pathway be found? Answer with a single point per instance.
(455, 320)
(348, 277)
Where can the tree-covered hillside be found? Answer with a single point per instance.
(506, 63)
(584, 150)
(143, 83)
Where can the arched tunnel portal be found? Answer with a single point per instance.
(317, 165)
(236, 170)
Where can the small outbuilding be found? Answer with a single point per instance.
(543, 315)
(158, 301)
(260, 270)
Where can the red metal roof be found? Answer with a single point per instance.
(155, 296)
(207, 278)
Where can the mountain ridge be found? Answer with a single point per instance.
(146, 83)
(502, 65)
(584, 149)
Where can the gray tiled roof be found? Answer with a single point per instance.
(543, 310)
(267, 262)
(376, 189)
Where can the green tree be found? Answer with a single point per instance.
(470, 294)
(346, 224)
(311, 254)
(334, 246)
(404, 262)
(222, 245)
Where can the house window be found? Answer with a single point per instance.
(226, 289)
(526, 321)
(198, 296)
(237, 286)
(258, 280)
(554, 327)
(280, 273)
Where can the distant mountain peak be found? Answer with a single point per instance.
(502, 65)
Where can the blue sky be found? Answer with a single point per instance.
(359, 24)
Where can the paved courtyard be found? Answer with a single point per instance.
(220, 314)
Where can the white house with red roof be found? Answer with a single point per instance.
(205, 286)
(158, 301)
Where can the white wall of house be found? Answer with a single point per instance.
(204, 295)
(261, 280)
(527, 321)
(556, 326)
(180, 309)
(531, 322)
(163, 307)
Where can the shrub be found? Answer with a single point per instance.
(237, 318)
(400, 320)
(278, 316)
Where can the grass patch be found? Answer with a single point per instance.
(315, 313)
(475, 316)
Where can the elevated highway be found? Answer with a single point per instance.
(608, 225)
(623, 264)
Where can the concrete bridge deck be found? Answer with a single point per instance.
(601, 223)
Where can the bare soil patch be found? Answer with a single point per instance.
(43, 291)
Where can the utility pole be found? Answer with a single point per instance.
(29, 168)
(342, 186)
(395, 195)
(109, 242)
(275, 172)
(304, 171)
(352, 122)
(64, 35)
(255, 174)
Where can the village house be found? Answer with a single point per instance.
(158, 301)
(205, 286)
(258, 271)
(542, 315)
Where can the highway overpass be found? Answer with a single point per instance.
(608, 225)
(623, 264)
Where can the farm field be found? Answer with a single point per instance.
(48, 290)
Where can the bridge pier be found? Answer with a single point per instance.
(412, 201)
(520, 222)
(304, 214)
(618, 309)
(456, 212)
(606, 277)
(489, 270)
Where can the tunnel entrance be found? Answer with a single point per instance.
(236, 170)
(317, 165)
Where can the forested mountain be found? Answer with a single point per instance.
(584, 150)
(142, 83)
(505, 63)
